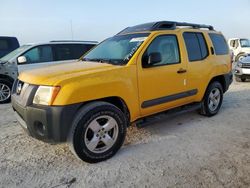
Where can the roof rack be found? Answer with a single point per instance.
(94, 42)
(163, 25)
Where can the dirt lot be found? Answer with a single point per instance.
(184, 151)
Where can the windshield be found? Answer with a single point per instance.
(116, 50)
(14, 53)
(245, 43)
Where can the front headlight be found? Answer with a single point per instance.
(239, 64)
(45, 95)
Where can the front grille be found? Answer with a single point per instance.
(19, 87)
(246, 65)
(23, 92)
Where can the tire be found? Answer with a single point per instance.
(90, 138)
(5, 91)
(238, 79)
(214, 96)
(243, 79)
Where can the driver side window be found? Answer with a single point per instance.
(167, 48)
(39, 54)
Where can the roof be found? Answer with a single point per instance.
(163, 25)
(74, 41)
(7, 37)
(62, 42)
(238, 39)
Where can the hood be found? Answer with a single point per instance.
(52, 75)
(245, 60)
(246, 50)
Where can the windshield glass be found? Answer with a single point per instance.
(14, 53)
(245, 43)
(117, 50)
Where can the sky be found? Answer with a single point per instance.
(33, 21)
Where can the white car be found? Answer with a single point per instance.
(29, 57)
(242, 69)
(240, 47)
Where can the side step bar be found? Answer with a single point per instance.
(164, 115)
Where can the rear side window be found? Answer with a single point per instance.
(219, 43)
(203, 45)
(81, 49)
(71, 51)
(196, 46)
(4, 44)
(88, 47)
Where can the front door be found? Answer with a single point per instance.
(162, 84)
(36, 57)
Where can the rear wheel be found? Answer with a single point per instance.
(98, 132)
(212, 100)
(5, 91)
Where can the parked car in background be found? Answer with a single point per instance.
(8, 44)
(34, 56)
(240, 47)
(242, 69)
(141, 71)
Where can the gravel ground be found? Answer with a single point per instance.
(188, 150)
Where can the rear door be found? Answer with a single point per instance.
(198, 61)
(222, 57)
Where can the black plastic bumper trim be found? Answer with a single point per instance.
(57, 120)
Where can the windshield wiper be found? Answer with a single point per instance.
(103, 60)
(99, 60)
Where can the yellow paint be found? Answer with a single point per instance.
(87, 81)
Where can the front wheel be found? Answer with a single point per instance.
(5, 91)
(240, 79)
(243, 79)
(212, 100)
(98, 132)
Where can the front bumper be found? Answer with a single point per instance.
(241, 71)
(47, 123)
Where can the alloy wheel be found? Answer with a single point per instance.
(214, 99)
(4, 92)
(101, 134)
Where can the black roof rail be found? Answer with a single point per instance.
(95, 42)
(163, 25)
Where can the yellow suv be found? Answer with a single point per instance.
(141, 71)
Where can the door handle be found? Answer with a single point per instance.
(181, 71)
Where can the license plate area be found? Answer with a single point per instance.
(246, 71)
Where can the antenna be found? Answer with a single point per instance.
(71, 27)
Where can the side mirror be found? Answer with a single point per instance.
(21, 60)
(151, 59)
